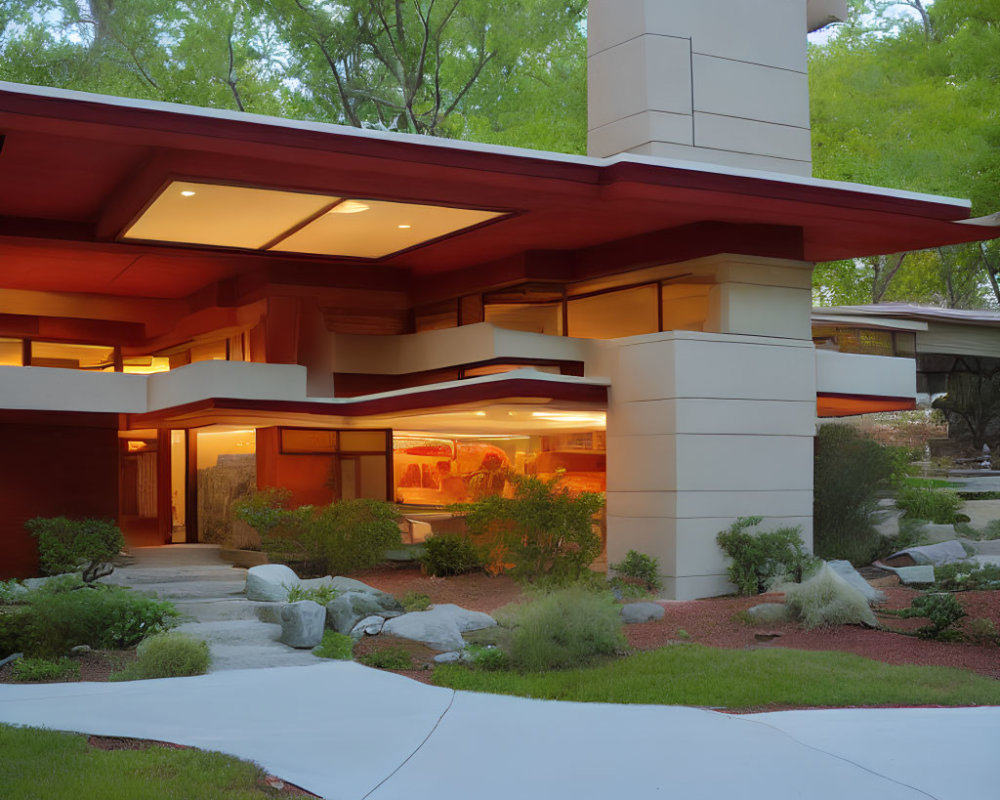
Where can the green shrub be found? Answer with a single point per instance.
(544, 529)
(982, 632)
(941, 608)
(564, 628)
(966, 576)
(450, 554)
(318, 594)
(104, 617)
(488, 659)
(67, 545)
(343, 537)
(41, 669)
(415, 601)
(849, 471)
(826, 599)
(167, 655)
(335, 645)
(388, 658)
(939, 506)
(988, 533)
(13, 631)
(12, 592)
(642, 568)
(762, 559)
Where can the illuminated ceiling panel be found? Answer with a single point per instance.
(376, 228)
(224, 216)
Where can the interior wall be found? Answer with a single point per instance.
(53, 465)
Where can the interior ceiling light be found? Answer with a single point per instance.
(188, 193)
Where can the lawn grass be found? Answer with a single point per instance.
(696, 675)
(62, 766)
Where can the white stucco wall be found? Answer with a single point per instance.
(880, 376)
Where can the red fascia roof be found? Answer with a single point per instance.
(77, 168)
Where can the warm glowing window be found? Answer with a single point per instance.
(532, 317)
(685, 306)
(11, 353)
(96, 358)
(611, 315)
(145, 365)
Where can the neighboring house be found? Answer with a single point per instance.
(194, 302)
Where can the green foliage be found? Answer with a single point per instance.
(761, 559)
(318, 594)
(564, 628)
(67, 545)
(450, 554)
(40, 669)
(343, 537)
(982, 632)
(543, 529)
(966, 576)
(973, 400)
(415, 601)
(388, 658)
(167, 655)
(335, 645)
(826, 599)
(939, 506)
(13, 631)
(990, 532)
(488, 659)
(695, 675)
(12, 592)
(63, 766)
(104, 617)
(642, 568)
(849, 470)
(941, 608)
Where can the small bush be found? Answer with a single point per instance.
(450, 554)
(941, 608)
(849, 471)
(318, 594)
(14, 630)
(982, 632)
(67, 545)
(966, 576)
(642, 568)
(104, 617)
(41, 669)
(388, 658)
(826, 599)
(12, 592)
(335, 645)
(488, 659)
(939, 506)
(414, 601)
(167, 655)
(544, 529)
(762, 559)
(565, 628)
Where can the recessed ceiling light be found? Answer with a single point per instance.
(349, 207)
(403, 227)
(187, 193)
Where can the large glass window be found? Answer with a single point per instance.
(611, 315)
(227, 472)
(11, 353)
(96, 358)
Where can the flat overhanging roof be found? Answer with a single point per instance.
(79, 170)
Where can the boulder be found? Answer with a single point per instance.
(846, 571)
(451, 657)
(641, 612)
(768, 612)
(270, 582)
(346, 610)
(302, 624)
(386, 601)
(934, 554)
(916, 575)
(38, 583)
(369, 626)
(440, 627)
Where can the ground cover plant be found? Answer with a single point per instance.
(966, 576)
(388, 658)
(338, 646)
(42, 669)
(939, 506)
(68, 545)
(693, 674)
(941, 609)
(73, 769)
(318, 594)
(415, 601)
(167, 655)
(761, 559)
(849, 472)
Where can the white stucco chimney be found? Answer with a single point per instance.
(722, 81)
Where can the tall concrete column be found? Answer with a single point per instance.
(707, 426)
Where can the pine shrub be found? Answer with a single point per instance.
(761, 559)
(68, 545)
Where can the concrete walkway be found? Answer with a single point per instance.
(342, 730)
(208, 592)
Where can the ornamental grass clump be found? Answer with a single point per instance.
(564, 628)
(167, 655)
(826, 599)
(939, 506)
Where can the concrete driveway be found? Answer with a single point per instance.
(342, 730)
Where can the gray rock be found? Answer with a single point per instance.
(768, 612)
(369, 626)
(441, 627)
(922, 574)
(940, 553)
(346, 610)
(79, 650)
(451, 657)
(386, 601)
(302, 624)
(846, 571)
(38, 583)
(641, 612)
(270, 582)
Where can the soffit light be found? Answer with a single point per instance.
(187, 212)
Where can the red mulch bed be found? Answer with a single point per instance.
(96, 665)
